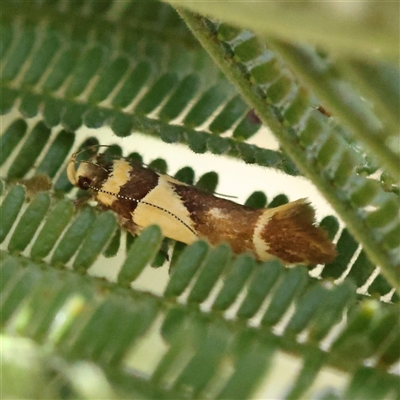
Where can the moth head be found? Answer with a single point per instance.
(87, 175)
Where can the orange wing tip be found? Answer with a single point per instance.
(292, 236)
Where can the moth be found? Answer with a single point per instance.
(141, 197)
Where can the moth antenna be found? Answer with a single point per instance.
(116, 156)
(227, 196)
(145, 202)
(113, 157)
(97, 165)
(92, 147)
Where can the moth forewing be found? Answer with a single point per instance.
(142, 197)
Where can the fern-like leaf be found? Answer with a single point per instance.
(220, 322)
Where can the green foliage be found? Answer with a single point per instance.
(222, 319)
(322, 149)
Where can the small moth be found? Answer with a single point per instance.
(141, 197)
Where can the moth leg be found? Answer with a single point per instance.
(134, 229)
(129, 225)
(82, 201)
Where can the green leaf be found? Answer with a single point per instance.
(331, 27)
(293, 282)
(305, 141)
(73, 237)
(10, 208)
(212, 267)
(56, 222)
(235, 280)
(324, 83)
(99, 233)
(29, 223)
(140, 254)
(30, 150)
(264, 279)
(185, 268)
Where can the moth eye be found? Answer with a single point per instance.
(84, 182)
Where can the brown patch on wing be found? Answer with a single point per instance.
(141, 181)
(292, 236)
(219, 220)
